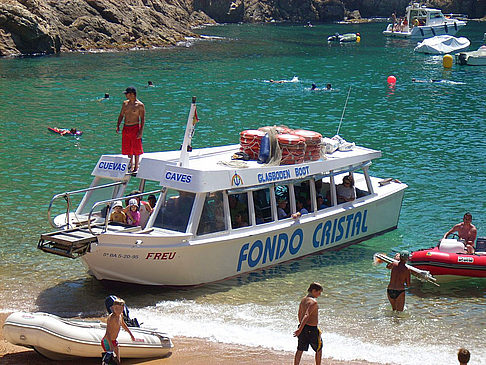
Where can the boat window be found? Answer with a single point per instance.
(263, 208)
(212, 217)
(238, 204)
(303, 196)
(175, 211)
(436, 15)
(93, 196)
(282, 198)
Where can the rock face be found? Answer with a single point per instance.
(51, 26)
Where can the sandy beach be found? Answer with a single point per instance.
(187, 351)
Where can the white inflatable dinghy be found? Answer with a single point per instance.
(59, 338)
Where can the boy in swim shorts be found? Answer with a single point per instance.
(113, 325)
(133, 112)
(308, 333)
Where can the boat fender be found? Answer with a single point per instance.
(421, 31)
(455, 26)
(432, 30)
(264, 154)
(446, 28)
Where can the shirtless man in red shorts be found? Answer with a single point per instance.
(466, 231)
(133, 111)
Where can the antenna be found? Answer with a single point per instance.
(342, 116)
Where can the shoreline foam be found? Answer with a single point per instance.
(187, 351)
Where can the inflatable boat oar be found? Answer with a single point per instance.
(422, 275)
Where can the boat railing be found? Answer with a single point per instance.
(67, 196)
(109, 201)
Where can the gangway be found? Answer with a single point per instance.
(71, 243)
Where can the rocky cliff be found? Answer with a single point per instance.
(51, 26)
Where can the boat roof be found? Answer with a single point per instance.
(212, 169)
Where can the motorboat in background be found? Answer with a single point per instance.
(59, 338)
(442, 44)
(344, 38)
(472, 58)
(421, 22)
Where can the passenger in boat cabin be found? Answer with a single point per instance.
(133, 215)
(133, 115)
(301, 210)
(466, 231)
(399, 277)
(152, 200)
(282, 204)
(238, 205)
(345, 191)
(118, 215)
(114, 323)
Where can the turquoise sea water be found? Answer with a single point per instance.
(431, 135)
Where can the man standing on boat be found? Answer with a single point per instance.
(466, 232)
(400, 276)
(133, 111)
(308, 333)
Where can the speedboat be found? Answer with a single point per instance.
(421, 22)
(442, 44)
(450, 260)
(216, 214)
(59, 338)
(343, 38)
(473, 58)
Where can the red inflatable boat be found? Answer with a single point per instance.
(450, 259)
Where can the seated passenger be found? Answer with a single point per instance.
(345, 191)
(118, 215)
(133, 215)
(320, 202)
(281, 208)
(300, 209)
(466, 232)
(239, 221)
(237, 207)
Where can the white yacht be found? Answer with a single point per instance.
(217, 218)
(421, 22)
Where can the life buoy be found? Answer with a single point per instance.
(309, 136)
(252, 133)
(290, 139)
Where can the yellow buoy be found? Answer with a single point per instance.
(358, 38)
(447, 61)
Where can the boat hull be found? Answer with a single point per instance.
(144, 259)
(423, 32)
(446, 264)
(58, 338)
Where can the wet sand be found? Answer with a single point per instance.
(187, 351)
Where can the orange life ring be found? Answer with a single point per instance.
(309, 136)
(290, 139)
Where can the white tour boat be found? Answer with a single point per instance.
(60, 338)
(217, 218)
(421, 22)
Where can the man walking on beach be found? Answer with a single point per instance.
(400, 275)
(308, 333)
(133, 111)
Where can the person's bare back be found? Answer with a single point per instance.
(309, 303)
(113, 324)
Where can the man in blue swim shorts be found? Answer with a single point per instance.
(308, 333)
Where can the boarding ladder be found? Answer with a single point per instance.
(75, 242)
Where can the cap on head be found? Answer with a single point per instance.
(117, 204)
(404, 254)
(133, 201)
(130, 90)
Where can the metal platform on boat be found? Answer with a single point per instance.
(70, 243)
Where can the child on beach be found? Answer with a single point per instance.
(133, 215)
(118, 215)
(113, 325)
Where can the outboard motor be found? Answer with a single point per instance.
(130, 322)
(462, 59)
